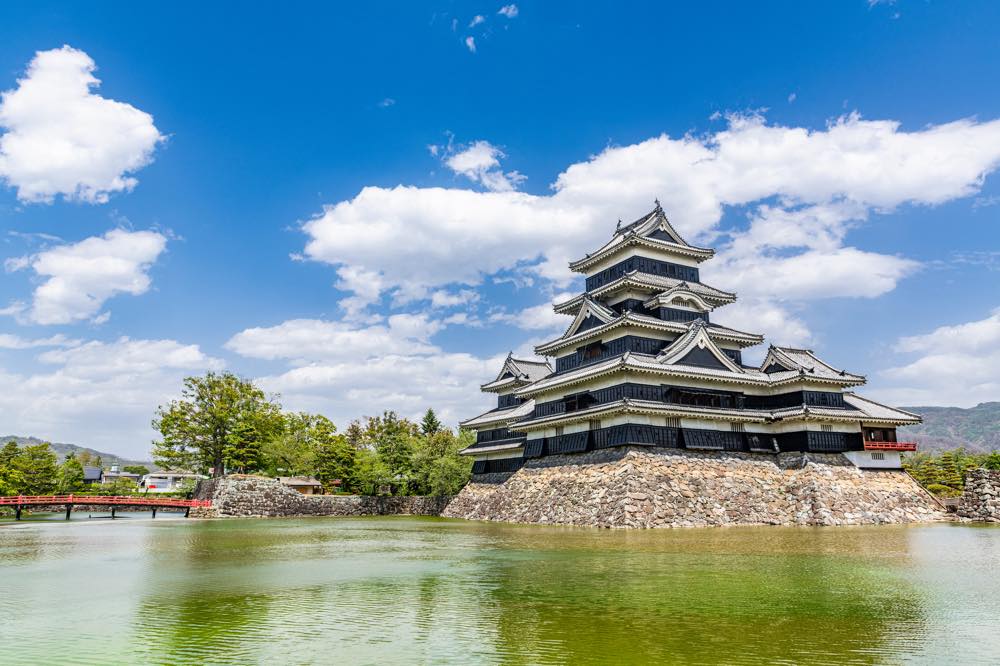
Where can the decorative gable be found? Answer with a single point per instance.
(696, 348)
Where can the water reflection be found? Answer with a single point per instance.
(410, 590)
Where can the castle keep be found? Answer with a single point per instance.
(646, 365)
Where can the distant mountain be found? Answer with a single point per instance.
(976, 428)
(62, 450)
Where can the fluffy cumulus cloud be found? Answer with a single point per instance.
(803, 191)
(346, 371)
(480, 163)
(78, 278)
(61, 138)
(959, 363)
(510, 11)
(102, 394)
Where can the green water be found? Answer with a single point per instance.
(415, 590)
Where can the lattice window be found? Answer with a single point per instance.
(737, 427)
(878, 455)
(673, 422)
(595, 424)
(559, 431)
(826, 427)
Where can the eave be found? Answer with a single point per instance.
(645, 282)
(628, 406)
(641, 321)
(699, 254)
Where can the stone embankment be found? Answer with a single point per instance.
(257, 496)
(639, 487)
(981, 498)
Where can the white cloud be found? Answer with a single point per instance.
(470, 43)
(386, 103)
(476, 20)
(958, 363)
(62, 138)
(447, 299)
(510, 11)
(539, 317)
(9, 341)
(346, 371)
(480, 162)
(805, 190)
(80, 277)
(100, 394)
(303, 340)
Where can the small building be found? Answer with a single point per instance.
(92, 475)
(116, 473)
(307, 485)
(166, 482)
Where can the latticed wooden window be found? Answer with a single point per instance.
(737, 427)
(673, 422)
(595, 424)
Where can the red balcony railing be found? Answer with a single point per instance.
(890, 446)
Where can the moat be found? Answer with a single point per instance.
(428, 590)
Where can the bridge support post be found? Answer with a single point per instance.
(187, 512)
(69, 508)
(154, 512)
(17, 512)
(113, 508)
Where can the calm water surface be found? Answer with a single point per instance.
(417, 590)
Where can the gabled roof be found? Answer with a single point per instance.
(876, 410)
(644, 321)
(697, 343)
(682, 290)
(803, 361)
(652, 284)
(590, 308)
(517, 372)
(652, 230)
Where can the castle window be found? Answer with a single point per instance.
(673, 422)
(592, 351)
(826, 427)
(595, 424)
(737, 427)
(878, 455)
(559, 431)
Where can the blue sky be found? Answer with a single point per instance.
(365, 207)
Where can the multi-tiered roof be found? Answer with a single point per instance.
(642, 344)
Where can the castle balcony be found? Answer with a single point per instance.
(890, 446)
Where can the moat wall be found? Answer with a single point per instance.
(257, 496)
(642, 487)
(981, 498)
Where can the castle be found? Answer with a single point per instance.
(644, 363)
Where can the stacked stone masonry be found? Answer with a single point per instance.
(256, 496)
(981, 499)
(643, 487)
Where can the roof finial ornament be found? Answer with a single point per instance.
(619, 225)
(658, 207)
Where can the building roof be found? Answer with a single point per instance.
(652, 230)
(92, 473)
(517, 372)
(876, 410)
(803, 361)
(500, 417)
(647, 282)
(697, 338)
(300, 481)
(492, 447)
(681, 291)
(716, 331)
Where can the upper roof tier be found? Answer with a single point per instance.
(515, 373)
(652, 230)
(648, 284)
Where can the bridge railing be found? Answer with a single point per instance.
(27, 500)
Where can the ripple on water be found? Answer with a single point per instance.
(410, 590)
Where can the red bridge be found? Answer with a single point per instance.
(115, 502)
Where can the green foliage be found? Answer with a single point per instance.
(937, 471)
(430, 423)
(220, 421)
(392, 439)
(69, 478)
(31, 470)
(120, 486)
(437, 467)
(141, 470)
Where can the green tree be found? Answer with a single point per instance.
(430, 423)
(392, 438)
(992, 461)
(438, 469)
(337, 459)
(36, 467)
(11, 479)
(220, 420)
(69, 478)
(371, 473)
(141, 470)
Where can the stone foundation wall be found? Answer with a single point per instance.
(643, 487)
(981, 498)
(256, 496)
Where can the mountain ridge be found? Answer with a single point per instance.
(63, 449)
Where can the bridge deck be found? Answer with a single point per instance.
(106, 500)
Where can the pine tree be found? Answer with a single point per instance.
(70, 476)
(430, 423)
